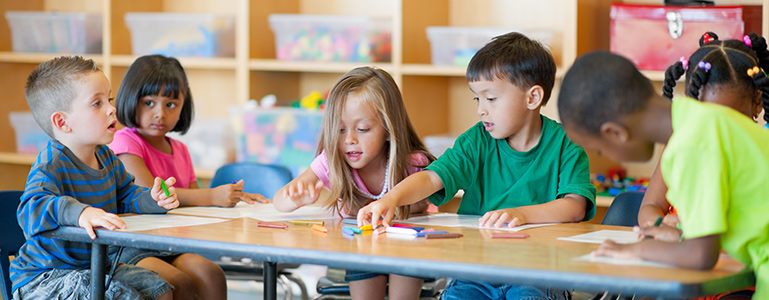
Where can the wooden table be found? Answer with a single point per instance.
(538, 260)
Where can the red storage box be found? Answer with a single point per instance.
(654, 37)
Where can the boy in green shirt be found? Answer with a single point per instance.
(714, 162)
(516, 166)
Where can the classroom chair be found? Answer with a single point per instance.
(259, 178)
(12, 237)
(623, 211)
(266, 180)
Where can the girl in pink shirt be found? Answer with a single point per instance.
(154, 99)
(367, 146)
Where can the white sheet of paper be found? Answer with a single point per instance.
(467, 221)
(151, 221)
(624, 262)
(597, 237)
(259, 211)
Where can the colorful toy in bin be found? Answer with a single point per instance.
(283, 136)
(617, 183)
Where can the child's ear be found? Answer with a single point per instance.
(534, 97)
(757, 107)
(614, 132)
(59, 121)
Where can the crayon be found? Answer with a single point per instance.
(444, 236)
(508, 235)
(367, 227)
(348, 230)
(306, 222)
(380, 230)
(319, 228)
(350, 221)
(656, 224)
(354, 229)
(272, 225)
(165, 188)
(401, 230)
(426, 233)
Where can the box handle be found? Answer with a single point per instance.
(675, 24)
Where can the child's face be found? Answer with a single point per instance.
(362, 135)
(92, 116)
(617, 149)
(501, 106)
(157, 115)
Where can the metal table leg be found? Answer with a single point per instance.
(270, 280)
(98, 266)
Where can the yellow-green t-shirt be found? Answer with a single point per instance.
(716, 167)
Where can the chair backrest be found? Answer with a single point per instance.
(623, 211)
(258, 178)
(12, 236)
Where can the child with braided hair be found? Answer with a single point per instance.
(722, 72)
(717, 78)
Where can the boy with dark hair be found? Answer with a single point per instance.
(516, 166)
(713, 164)
(77, 181)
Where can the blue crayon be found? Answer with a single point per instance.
(423, 234)
(348, 230)
(350, 221)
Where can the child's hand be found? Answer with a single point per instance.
(497, 218)
(228, 195)
(610, 248)
(302, 195)
(370, 213)
(159, 195)
(660, 233)
(93, 217)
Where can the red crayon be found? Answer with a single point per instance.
(272, 225)
(444, 236)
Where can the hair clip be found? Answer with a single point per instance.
(684, 62)
(753, 71)
(747, 41)
(706, 38)
(704, 65)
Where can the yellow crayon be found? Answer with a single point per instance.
(306, 222)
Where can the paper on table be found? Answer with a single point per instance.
(455, 220)
(259, 211)
(625, 262)
(597, 237)
(148, 221)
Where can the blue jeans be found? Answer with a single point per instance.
(462, 289)
(129, 282)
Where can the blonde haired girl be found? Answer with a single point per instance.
(367, 146)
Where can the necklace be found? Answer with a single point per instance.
(384, 185)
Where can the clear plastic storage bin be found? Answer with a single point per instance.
(210, 142)
(455, 46)
(55, 32)
(283, 136)
(182, 34)
(30, 138)
(331, 38)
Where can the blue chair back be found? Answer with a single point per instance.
(623, 211)
(258, 178)
(12, 237)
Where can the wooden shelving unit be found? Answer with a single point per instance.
(578, 26)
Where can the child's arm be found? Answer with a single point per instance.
(412, 189)
(93, 217)
(225, 195)
(303, 190)
(165, 196)
(570, 208)
(655, 204)
(698, 253)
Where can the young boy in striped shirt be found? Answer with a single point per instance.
(77, 181)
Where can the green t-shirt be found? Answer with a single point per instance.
(494, 176)
(716, 167)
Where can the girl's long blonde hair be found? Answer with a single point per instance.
(377, 89)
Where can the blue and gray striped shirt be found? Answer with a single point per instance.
(59, 187)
